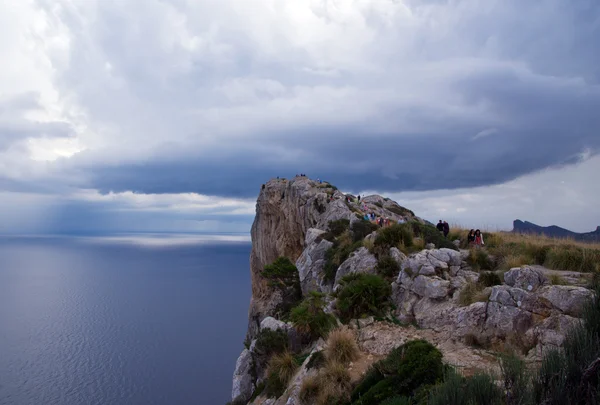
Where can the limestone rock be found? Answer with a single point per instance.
(360, 261)
(311, 261)
(427, 271)
(242, 378)
(430, 246)
(430, 287)
(525, 278)
(567, 299)
(273, 324)
(397, 255)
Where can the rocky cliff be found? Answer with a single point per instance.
(435, 292)
(285, 211)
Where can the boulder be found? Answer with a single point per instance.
(311, 261)
(505, 320)
(430, 246)
(397, 255)
(567, 299)
(525, 278)
(360, 261)
(427, 271)
(430, 287)
(273, 324)
(242, 379)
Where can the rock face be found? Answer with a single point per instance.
(285, 211)
(360, 261)
(525, 278)
(242, 379)
(526, 308)
(311, 261)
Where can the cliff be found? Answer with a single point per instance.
(317, 263)
(285, 210)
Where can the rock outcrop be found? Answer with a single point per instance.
(436, 289)
(285, 211)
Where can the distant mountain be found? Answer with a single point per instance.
(555, 231)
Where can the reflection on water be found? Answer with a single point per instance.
(119, 320)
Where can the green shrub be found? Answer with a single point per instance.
(430, 234)
(572, 258)
(282, 275)
(362, 228)
(404, 370)
(481, 389)
(399, 210)
(392, 236)
(257, 392)
(489, 279)
(317, 360)
(269, 342)
(450, 392)
(516, 380)
(479, 260)
(339, 226)
(397, 401)
(387, 267)
(363, 294)
(310, 319)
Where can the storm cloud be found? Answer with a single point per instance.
(216, 97)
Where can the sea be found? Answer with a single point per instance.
(126, 319)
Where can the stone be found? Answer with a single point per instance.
(242, 379)
(430, 287)
(430, 246)
(567, 299)
(505, 320)
(311, 261)
(273, 324)
(397, 255)
(360, 261)
(525, 278)
(456, 243)
(427, 271)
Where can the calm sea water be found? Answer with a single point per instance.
(121, 321)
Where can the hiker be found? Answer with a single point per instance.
(440, 226)
(366, 217)
(471, 237)
(400, 221)
(359, 198)
(479, 238)
(446, 229)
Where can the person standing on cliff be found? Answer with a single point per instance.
(440, 226)
(446, 229)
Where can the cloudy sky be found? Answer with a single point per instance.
(168, 115)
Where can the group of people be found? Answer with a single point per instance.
(443, 227)
(475, 238)
(381, 221)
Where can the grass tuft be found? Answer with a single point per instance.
(341, 346)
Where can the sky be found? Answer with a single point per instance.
(168, 115)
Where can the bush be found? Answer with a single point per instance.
(335, 384)
(341, 346)
(387, 267)
(555, 279)
(310, 319)
(516, 380)
(573, 258)
(430, 234)
(282, 275)
(269, 342)
(489, 279)
(405, 369)
(399, 210)
(470, 294)
(363, 294)
(317, 360)
(339, 226)
(337, 254)
(362, 228)
(309, 390)
(392, 236)
(456, 390)
(280, 371)
(479, 260)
